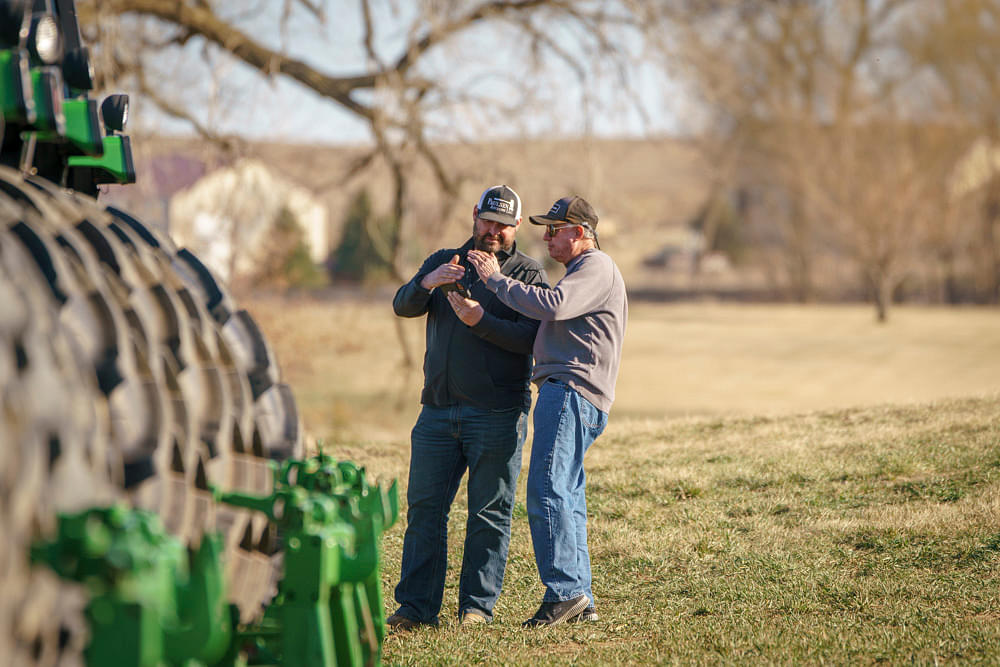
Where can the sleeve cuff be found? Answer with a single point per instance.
(483, 326)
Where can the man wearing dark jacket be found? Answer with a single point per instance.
(475, 403)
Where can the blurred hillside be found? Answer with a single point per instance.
(646, 192)
(678, 227)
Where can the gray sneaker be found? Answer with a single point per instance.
(588, 615)
(554, 613)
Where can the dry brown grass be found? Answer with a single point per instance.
(343, 360)
(774, 359)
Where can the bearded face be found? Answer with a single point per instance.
(492, 237)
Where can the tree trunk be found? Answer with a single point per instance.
(800, 260)
(951, 293)
(991, 214)
(882, 294)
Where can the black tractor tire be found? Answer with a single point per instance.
(127, 374)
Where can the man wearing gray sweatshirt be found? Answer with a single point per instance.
(577, 352)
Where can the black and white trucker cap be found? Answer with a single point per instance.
(500, 203)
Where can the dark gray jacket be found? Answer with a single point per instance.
(487, 365)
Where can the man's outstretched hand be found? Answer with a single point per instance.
(486, 263)
(446, 273)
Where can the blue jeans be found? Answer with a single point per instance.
(566, 424)
(444, 443)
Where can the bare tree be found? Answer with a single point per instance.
(411, 92)
(810, 99)
(958, 45)
(879, 188)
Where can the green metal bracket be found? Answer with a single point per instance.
(153, 602)
(150, 603)
(114, 166)
(83, 129)
(329, 606)
(45, 90)
(16, 102)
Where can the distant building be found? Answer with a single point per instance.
(158, 179)
(979, 166)
(227, 217)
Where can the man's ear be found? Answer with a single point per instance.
(475, 214)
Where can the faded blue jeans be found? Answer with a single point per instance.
(443, 444)
(566, 424)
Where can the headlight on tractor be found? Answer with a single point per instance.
(44, 39)
(114, 112)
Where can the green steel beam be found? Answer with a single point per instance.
(114, 166)
(83, 129)
(16, 106)
(45, 90)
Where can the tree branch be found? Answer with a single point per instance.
(203, 21)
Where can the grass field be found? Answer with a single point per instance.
(776, 485)
(843, 537)
(343, 360)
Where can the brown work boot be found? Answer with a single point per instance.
(400, 623)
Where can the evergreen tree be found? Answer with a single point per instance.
(361, 254)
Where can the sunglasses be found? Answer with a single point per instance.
(554, 229)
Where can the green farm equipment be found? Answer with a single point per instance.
(153, 602)
(156, 501)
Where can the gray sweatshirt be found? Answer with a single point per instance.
(582, 326)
